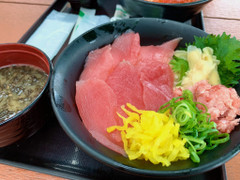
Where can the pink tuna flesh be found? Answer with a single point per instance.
(126, 47)
(99, 64)
(162, 53)
(125, 83)
(96, 104)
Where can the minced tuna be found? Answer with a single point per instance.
(223, 104)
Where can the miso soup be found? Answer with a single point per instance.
(19, 86)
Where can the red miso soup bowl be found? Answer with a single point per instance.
(31, 118)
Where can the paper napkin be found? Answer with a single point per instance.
(53, 32)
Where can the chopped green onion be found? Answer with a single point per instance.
(195, 125)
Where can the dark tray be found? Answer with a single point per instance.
(51, 151)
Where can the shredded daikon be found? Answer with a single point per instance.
(151, 136)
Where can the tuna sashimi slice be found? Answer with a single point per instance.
(125, 83)
(99, 64)
(162, 53)
(157, 80)
(126, 47)
(96, 104)
(155, 96)
(157, 73)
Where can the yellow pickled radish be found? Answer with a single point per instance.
(151, 136)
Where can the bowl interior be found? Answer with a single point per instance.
(69, 67)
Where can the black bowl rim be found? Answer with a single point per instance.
(175, 4)
(119, 166)
(26, 109)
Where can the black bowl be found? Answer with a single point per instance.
(68, 69)
(177, 12)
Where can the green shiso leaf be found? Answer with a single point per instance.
(227, 50)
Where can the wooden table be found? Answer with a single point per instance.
(17, 16)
